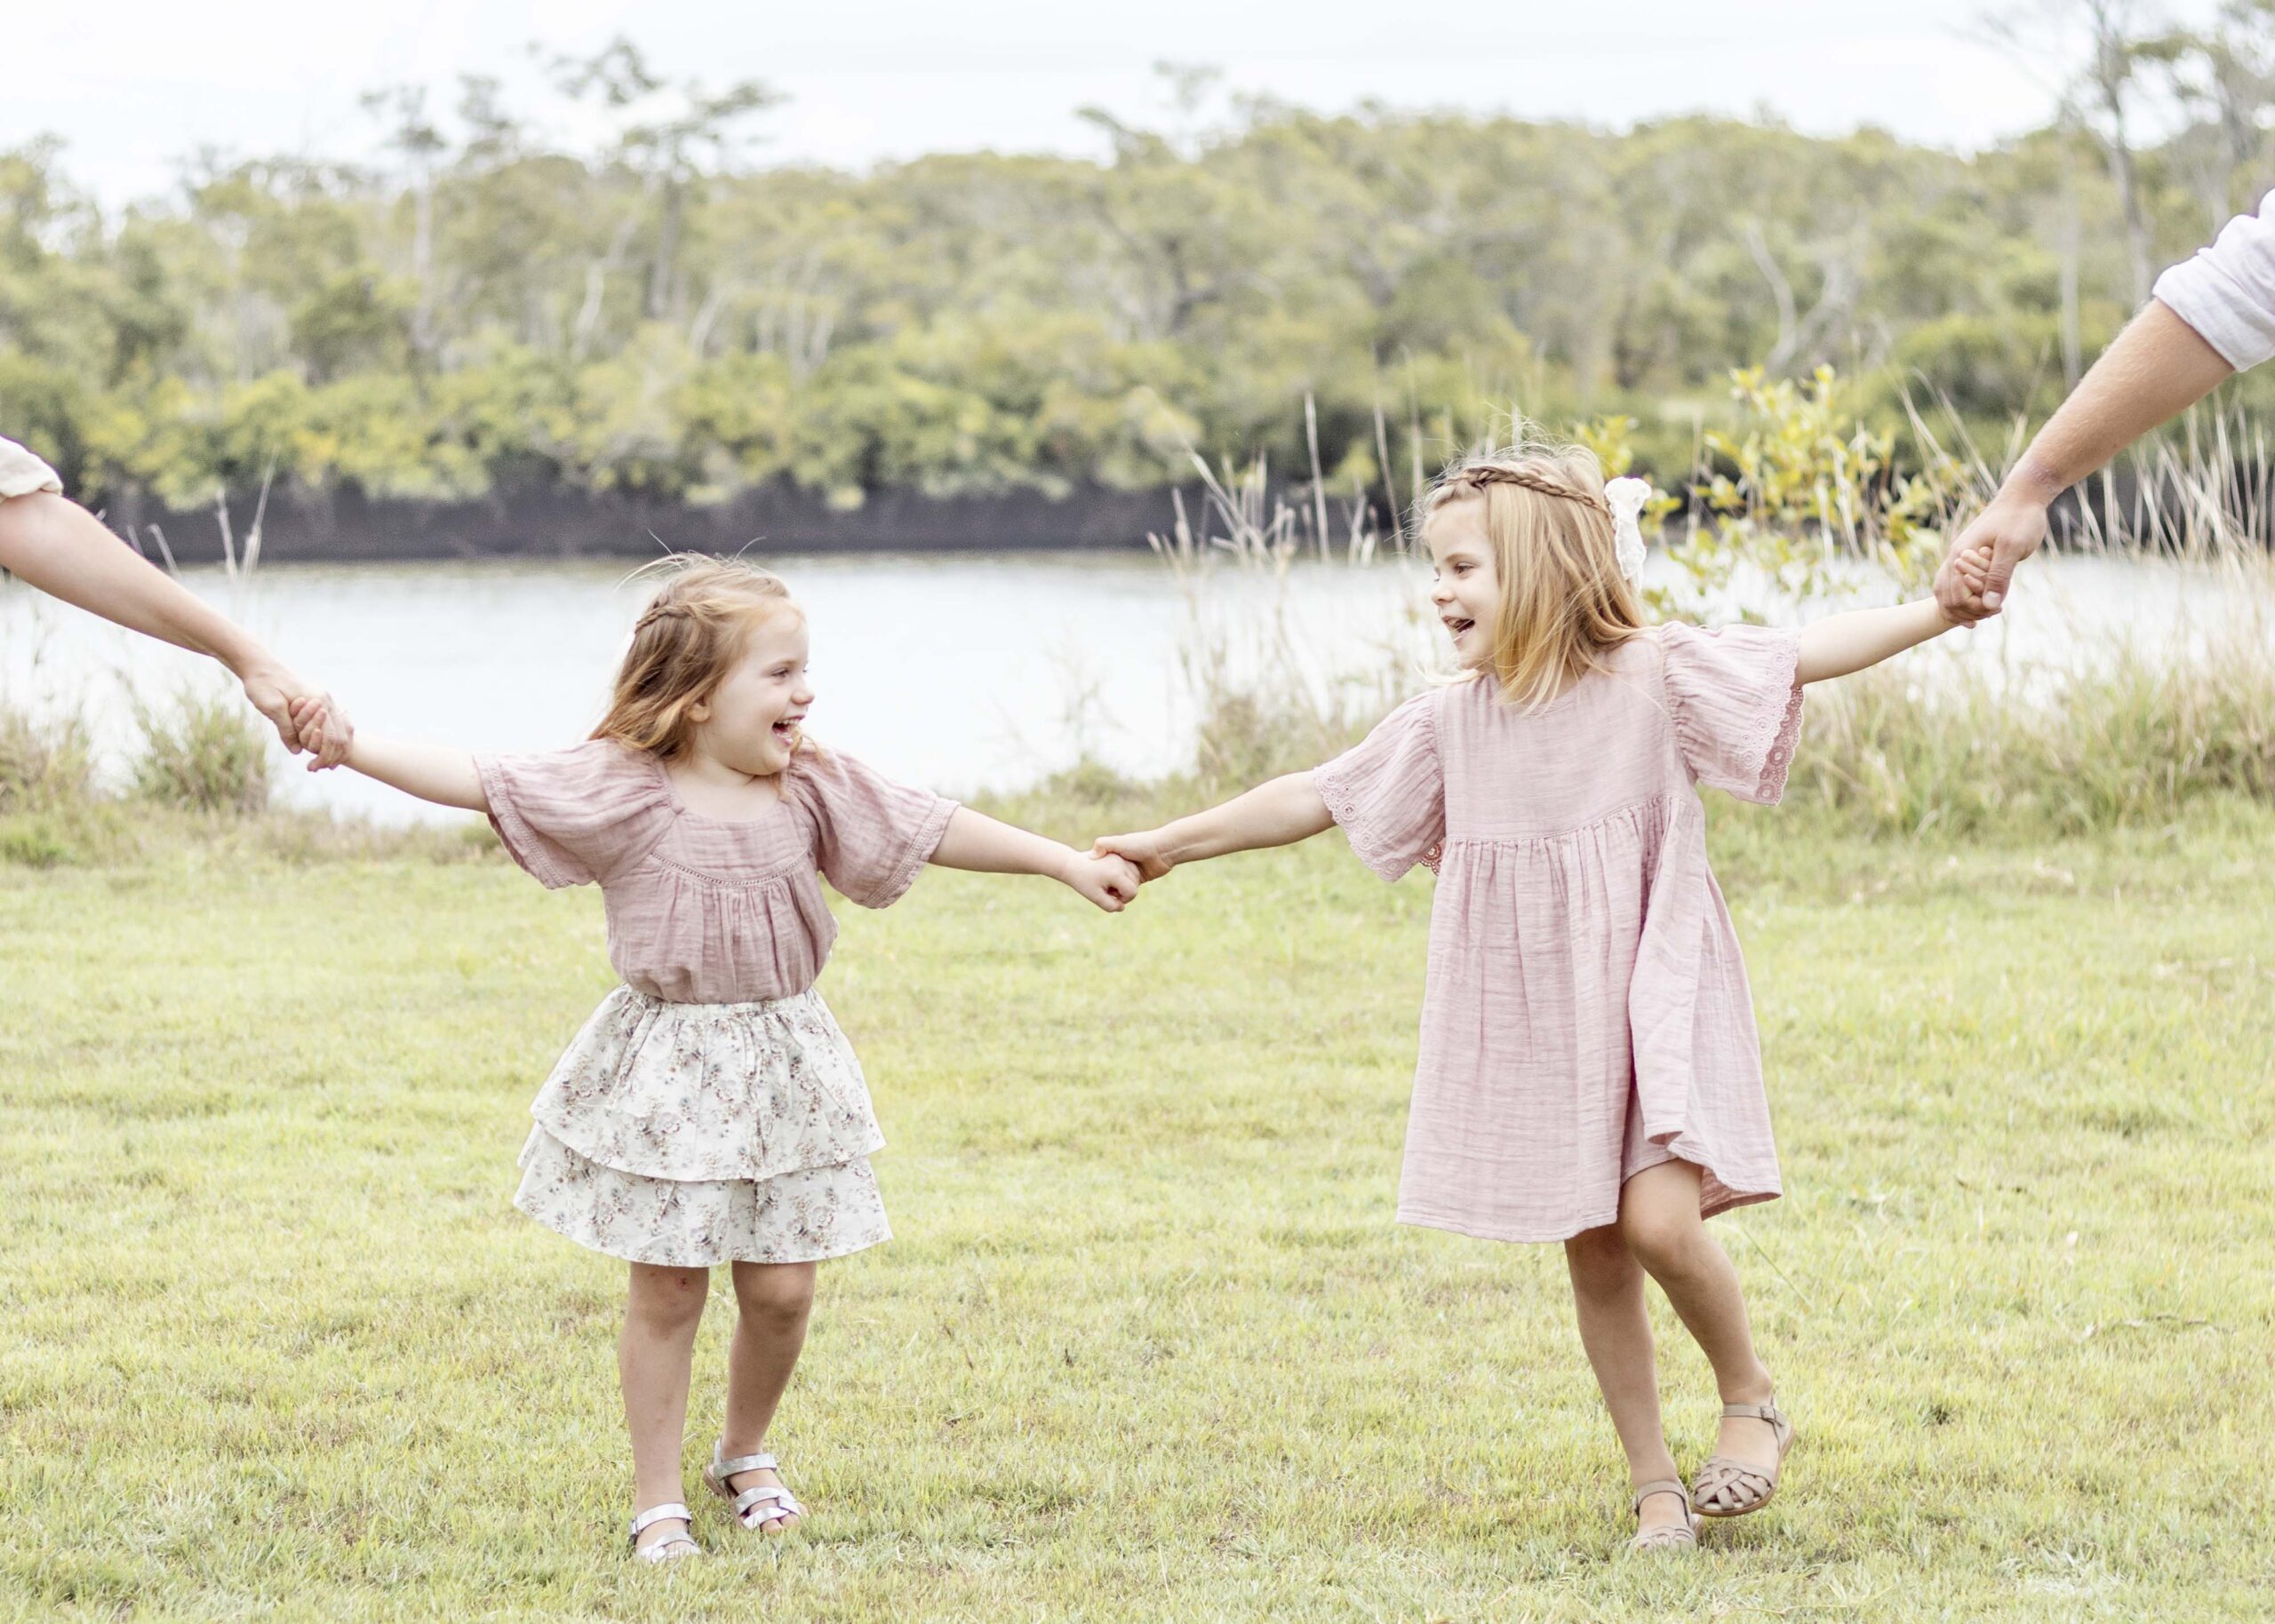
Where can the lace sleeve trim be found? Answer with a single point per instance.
(1777, 729)
(1367, 843)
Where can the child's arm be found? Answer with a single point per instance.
(1278, 813)
(1839, 644)
(432, 772)
(976, 841)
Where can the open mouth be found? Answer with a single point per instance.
(1458, 625)
(786, 728)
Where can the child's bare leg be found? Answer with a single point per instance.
(652, 1361)
(1658, 1218)
(775, 1299)
(1608, 1293)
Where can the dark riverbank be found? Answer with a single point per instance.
(345, 526)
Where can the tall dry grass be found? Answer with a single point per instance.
(1804, 506)
(203, 752)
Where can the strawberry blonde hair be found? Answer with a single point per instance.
(687, 639)
(1565, 607)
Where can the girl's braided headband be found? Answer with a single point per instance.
(662, 611)
(1623, 499)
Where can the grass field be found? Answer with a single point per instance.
(1148, 1345)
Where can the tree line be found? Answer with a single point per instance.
(486, 309)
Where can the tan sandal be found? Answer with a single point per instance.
(1668, 1536)
(1728, 1487)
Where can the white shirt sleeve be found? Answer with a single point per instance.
(21, 473)
(2227, 291)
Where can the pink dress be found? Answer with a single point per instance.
(710, 1109)
(1586, 1014)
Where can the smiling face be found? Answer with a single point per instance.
(748, 722)
(1467, 584)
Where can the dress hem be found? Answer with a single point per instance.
(1419, 1218)
(815, 1254)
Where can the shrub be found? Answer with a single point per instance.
(202, 753)
(43, 765)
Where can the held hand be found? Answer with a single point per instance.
(1109, 883)
(2003, 535)
(305, 718)
(1971, 568)
(1143, 850)
(321, 729)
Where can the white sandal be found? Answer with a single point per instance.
(678, 1547)
(753, 1506)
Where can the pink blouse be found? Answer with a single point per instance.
(1586, 1013)
(708, 910)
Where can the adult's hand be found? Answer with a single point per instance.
(319, 729)
(51, 543)
(2012, 527)
(2159, 366)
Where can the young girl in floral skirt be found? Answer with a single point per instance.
(711, 1111)
(1589, 1072)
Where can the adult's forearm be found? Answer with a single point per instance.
(55, 544)
(1277, 813)
(2158, 368)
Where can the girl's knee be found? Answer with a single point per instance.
(668, 1299)
(774, 1293)
(1600, 1263)
(1661, 1235)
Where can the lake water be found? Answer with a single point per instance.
(957, 671)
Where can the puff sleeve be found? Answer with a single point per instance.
(871, 836)
(1388, 791)
(1735, 705)
(574, 816)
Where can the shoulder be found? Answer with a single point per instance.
(1681, 644)
(605, 758)
(1422, 717)
(597, 762)
(827, 783)
(815, 774)
(596, 781)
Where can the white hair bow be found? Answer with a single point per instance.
(1627, 498)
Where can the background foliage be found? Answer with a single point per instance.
(662, 312)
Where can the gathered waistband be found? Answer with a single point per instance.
(810, 999)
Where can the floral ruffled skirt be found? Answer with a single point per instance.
(689, 1134)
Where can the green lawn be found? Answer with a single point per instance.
(1148, 1344)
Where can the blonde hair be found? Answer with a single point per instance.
(1565, 607)
(693, 629)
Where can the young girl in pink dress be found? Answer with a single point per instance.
(1589, 1072)
(711, 1111)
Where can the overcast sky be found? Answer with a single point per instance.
(133, 86)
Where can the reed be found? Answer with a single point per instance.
(1796, 509)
